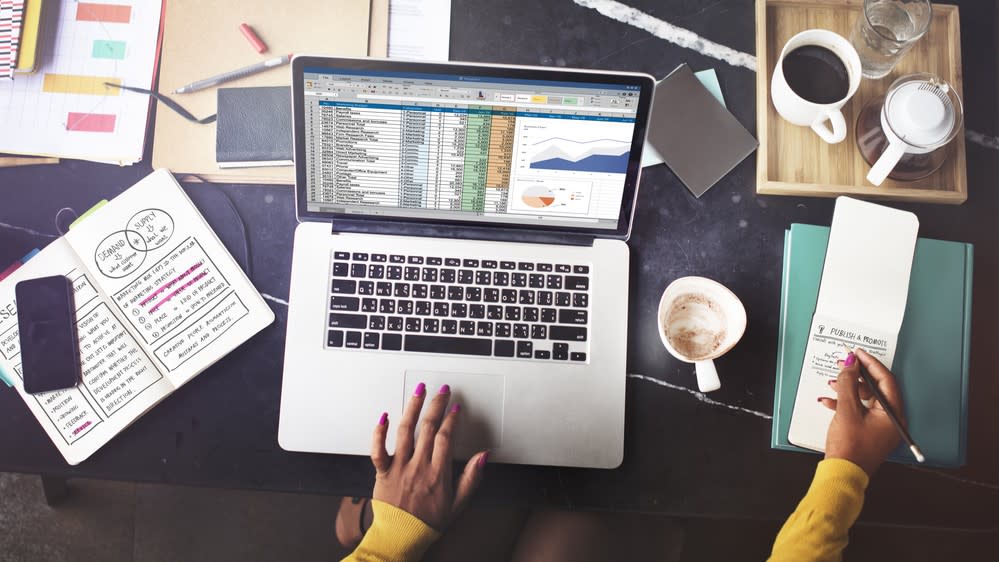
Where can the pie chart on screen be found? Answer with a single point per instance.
(537, 196)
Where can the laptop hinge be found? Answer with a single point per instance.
(507, 234)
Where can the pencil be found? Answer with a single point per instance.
(888, 409)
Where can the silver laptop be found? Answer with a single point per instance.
(463, 224)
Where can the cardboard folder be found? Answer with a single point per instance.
(202, 39)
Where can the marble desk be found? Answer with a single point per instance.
(686, 454)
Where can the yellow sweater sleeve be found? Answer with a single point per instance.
(394, 536)
(817, 530)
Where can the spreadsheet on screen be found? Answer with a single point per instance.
(467, 147)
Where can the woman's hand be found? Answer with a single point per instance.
(861, 435)
(418, 478)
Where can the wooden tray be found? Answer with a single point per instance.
(793, 160)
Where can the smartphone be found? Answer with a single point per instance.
(46, 319)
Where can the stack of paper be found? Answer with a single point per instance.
(65, 109)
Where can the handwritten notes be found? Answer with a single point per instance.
(158, 301)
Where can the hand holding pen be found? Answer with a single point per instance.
(861, 435)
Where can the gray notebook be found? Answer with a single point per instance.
(697, 137)
(254, 127)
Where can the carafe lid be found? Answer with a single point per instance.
(922, 110)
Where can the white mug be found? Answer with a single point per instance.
(799, 111)
(699, 321)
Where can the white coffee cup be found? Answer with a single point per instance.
(799, 111)
(699, 321)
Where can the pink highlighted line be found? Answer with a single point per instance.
(170, 284)
(178, 291)
(90, 122)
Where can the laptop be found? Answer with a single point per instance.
(466, 225)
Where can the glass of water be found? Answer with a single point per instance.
(886, 30)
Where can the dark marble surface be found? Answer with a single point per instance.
(683, 455)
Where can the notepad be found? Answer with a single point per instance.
(28, 50)
(709, 78)
(158, 300)
(861, 302)
(696, 136)
(931, 363)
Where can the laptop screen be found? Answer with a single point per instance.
(471, 148)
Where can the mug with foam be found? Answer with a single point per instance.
(699, 321)
(817, 73)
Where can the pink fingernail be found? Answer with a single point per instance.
(382, 420)
(421, 389)
(850, 360)
(456, 408)
(483, 459)
(831, 382)
(445, 389)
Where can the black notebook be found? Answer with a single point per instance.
(254, 127)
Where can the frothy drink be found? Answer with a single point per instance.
(695, 326)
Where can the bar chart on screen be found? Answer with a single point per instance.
(67, 107)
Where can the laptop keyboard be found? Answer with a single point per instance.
(477, 307)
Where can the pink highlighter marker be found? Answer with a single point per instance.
(253, 38)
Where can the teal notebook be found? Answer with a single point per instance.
(931, 361)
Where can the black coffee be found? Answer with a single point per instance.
(816, 74)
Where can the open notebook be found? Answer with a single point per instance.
(158, 300)
(861, 302)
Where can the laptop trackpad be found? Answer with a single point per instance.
(481, 397)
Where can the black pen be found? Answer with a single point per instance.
(887, 408)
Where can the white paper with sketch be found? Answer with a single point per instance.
(158, 299)
(862, 296)
(64, 109)
(420, 29)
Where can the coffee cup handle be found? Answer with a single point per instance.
(886, 163)
(838, 131)
(707, 376)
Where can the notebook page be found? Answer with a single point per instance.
(64, 109)
(861, 302)
(169, 275)
(119, 380)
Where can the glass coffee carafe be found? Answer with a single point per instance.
(905, 134)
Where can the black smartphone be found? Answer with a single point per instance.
(46, 319)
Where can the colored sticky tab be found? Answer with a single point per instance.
(89, 212)
(5, 379)
(30, 255)
(709, 78)
(79, 84)
(107, 13)
(104, 49)
(10, 269)
(90, 122)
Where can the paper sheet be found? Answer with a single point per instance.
(651, 156)
(419, 29)
(64, 109)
